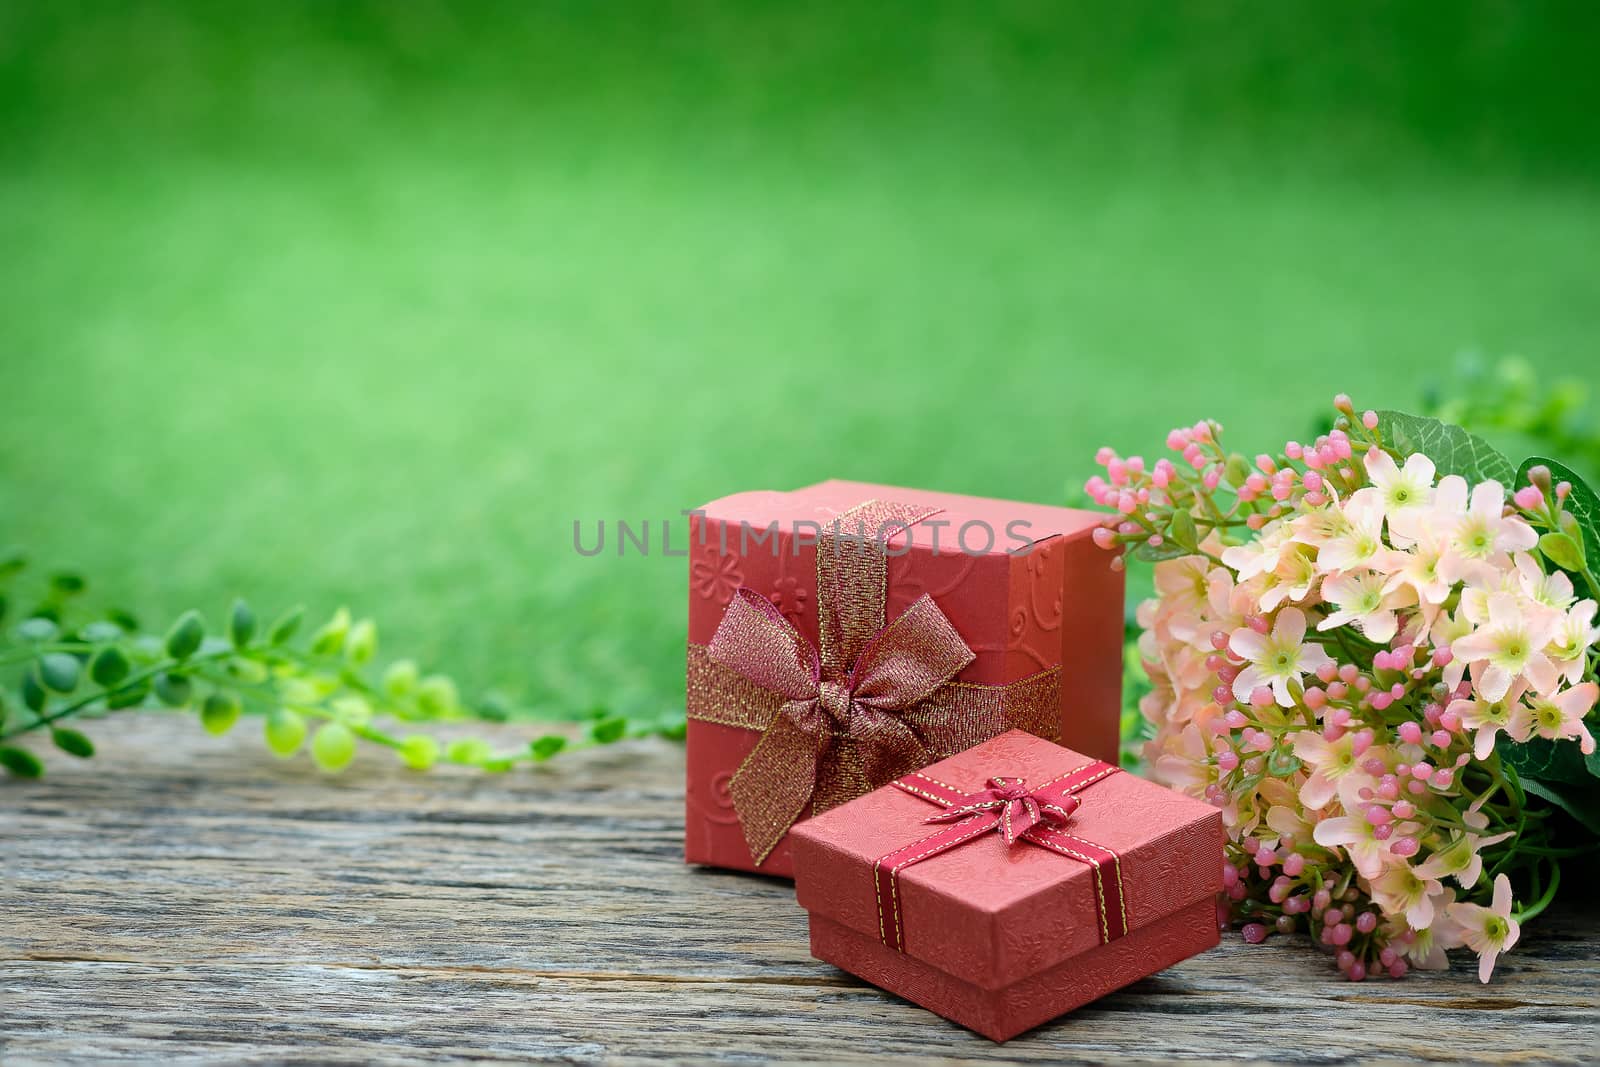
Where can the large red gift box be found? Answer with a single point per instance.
(1106, 878)
(844, 633)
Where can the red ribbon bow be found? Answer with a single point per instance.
(1019, 810)
(1037, 816)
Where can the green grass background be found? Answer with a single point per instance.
(366, 303)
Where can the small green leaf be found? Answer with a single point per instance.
(468, 750)
(353, 710)
(285, 731)
(129, 696)
(1452, 449)
(497, 766)
(362, 644)
(219, 712)
(183, 640)
(101, 631)
(400, 680)
(437, 696)
(334, 746)
(419, 751)
(20, 762)
(59, 671)
(108, 667)
(548, 745)
(37, 630)
(246, 671)
(12, 560)
(66, 583)
(608, 730)
(72, 742)
(1546, 760)
(329, 638)
(286, 626)
(1181, 530)
(124, 619)
(1562, 550)
(34, 694)
(1281, 763)
(241, 624)
(173, 690)
(1582, 503)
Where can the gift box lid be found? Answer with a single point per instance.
(992, 913)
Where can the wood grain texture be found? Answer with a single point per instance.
(186, 899)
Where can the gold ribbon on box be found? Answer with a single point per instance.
(872, 701)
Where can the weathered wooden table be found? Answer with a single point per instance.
(181, 897)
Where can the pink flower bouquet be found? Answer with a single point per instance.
(1380, 667)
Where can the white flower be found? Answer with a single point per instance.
(1552, 590)
(1276, 659)
(1361, 542)
(1402, 889)
(1575, 634)
(1484, 530)
(1401, 490)
(1488, 931)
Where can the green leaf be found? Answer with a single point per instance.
(20, 762)
(1549, 761)
(334, 746)
(419, 751)
(12, 560)
(219, 713)
(101, 631)
(4, 604)
(34, 694)
(437, 696)
(37, 630)
(109, 666)
(1580, 803)
(400, 680)
(173, 690)
(362, 644)
(130, 696)
(285, 731)
(125, 619)
(1563, 551)
(241, 624)
(286, 626)
(1282, 763)
(608, 730)
(1581, 503)
(1181, 530)
(1452, 449)
(548, 745)
(329, 638)
(66, 583)
(468, 750)
(59, 671)
(72, 742)
(183, 640)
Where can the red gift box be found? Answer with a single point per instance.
(844, 633)
(1049, 879)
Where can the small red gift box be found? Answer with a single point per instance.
(843, 634)
(1012, 883)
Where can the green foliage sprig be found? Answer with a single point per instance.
(59, 670)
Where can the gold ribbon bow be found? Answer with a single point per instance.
(872, 702)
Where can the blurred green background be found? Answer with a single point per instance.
(366, 303)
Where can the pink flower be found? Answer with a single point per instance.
(1459, 859)
(1402, 889)
(1576, 633)
(1329, 761)
(1276, 659)
(1358, 838)
(1561, 716)
(1553, 590)
(1510, 643)
(1362, 602)
(1489, 717)
(1488, 931)
(1484, 530)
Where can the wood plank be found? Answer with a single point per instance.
(181, 896)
